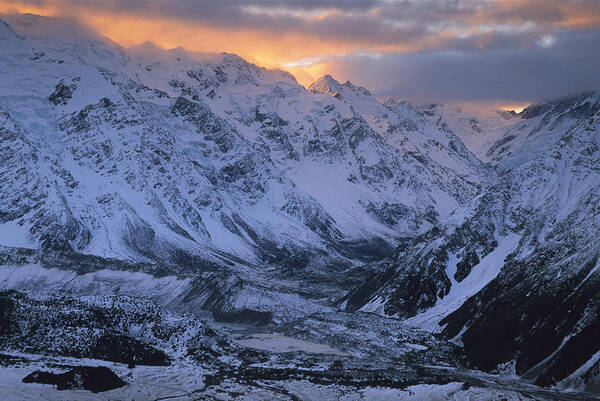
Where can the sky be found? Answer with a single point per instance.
(503, 52)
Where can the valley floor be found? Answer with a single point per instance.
(323, 356)
(187, 382)
(266, 381)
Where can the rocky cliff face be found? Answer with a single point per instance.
(512, 276)
(191, 160)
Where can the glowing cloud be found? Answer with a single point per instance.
(310, 38)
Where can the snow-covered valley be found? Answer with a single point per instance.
(256, 239)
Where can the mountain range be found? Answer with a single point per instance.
(207, 184)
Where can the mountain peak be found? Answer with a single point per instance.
(326, 84)
(51, 28)
(396, 104)
(329, 85)
(586, 102)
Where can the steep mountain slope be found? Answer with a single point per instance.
(523, 256)
(409, 131)
(539, 127)
(507, 139)
(478, 128)
(204, 163)
(204, 182)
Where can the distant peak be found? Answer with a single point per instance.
(330, 80)
(397, 105)
(326, 84)
(147, 46)
(582, 103)
(329, 85)
(507, 114)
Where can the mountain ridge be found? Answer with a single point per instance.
(217, 185)
(159, 156)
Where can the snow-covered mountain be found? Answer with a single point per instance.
(478, 128)
(206, 183)
(195, 160)
(514, 275)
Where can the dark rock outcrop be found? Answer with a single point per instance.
(93, 378)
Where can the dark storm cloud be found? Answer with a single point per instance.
(345, 20)
(374, 22)
(502, 75)
(368, 22)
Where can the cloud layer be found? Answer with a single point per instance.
(425, 50)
